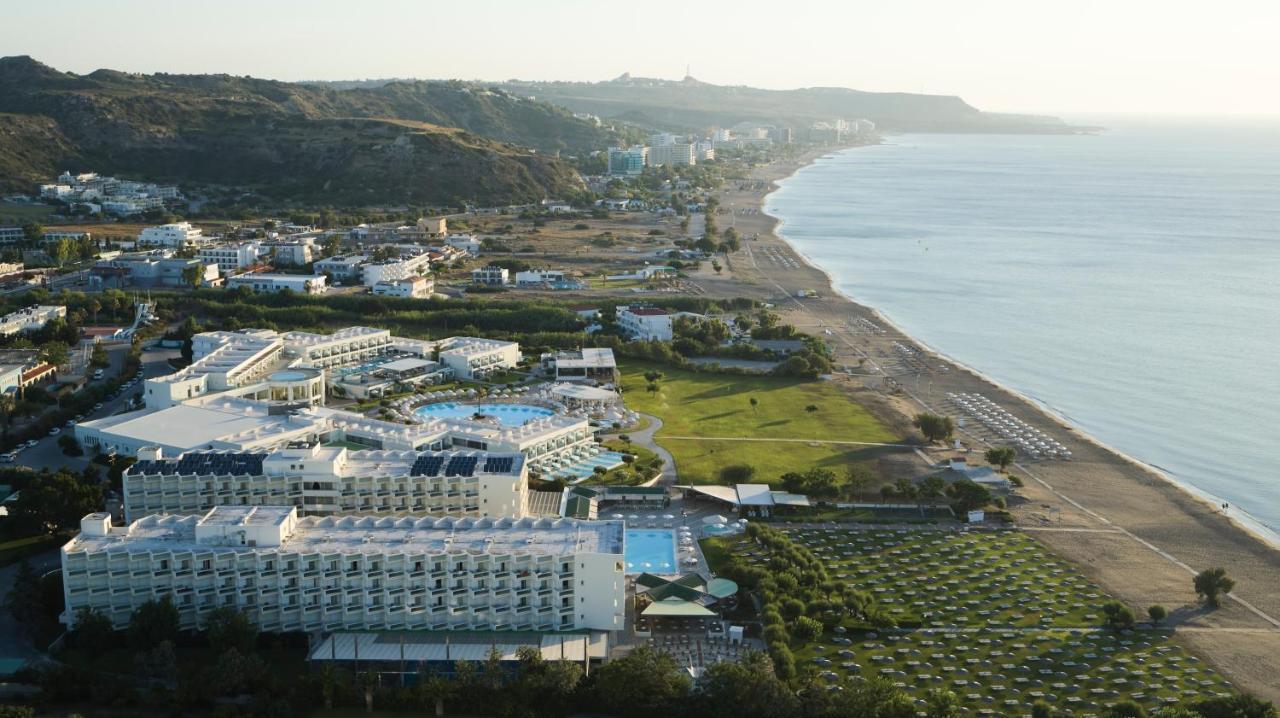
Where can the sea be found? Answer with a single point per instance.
(1128, 280)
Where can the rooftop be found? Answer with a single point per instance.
(368, 534)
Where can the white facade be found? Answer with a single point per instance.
(411, 288)
(323, 480)
(353, 573)
(476, 358)
(466, 242)
(231, 258)
(394, 270)
(31, 318)
(648, 323)
(536, 277)
(299, 283)
(673, 154)
(344, 270)
(490, 276)
(179, 234)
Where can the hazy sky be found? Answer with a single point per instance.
(1081, 56)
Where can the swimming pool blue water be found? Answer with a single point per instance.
(288, 376)
(507, 414)
(651, 550)
(717, 530)
(585, 469)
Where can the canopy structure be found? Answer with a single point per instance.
(722, 587)
(677, 608)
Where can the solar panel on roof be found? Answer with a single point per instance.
(461, 466)
(427, 465)
(498, 464)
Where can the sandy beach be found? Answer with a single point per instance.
(1126, 525)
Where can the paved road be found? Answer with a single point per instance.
(644, 437)
(47, 454)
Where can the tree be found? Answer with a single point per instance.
(941, 703)
(193, 275)
(755, 403)
(227, 628)
(858, 478)
(653, 376)
(1240, 705)
(1211, 584)
(1001, 456)
(807, 629)
(1119, 616)
(1040, 709)
(152, 623)
(57, 501)
(967, 495)
(56, 353)
(69, 445)
(643, 684)
(932, 487)
(934, 427)
(1157, 613)
(1125, 709)
(93, 630)
(24, 597)
(812, 408)
(368, 681)
(749, 687)
(98, 358)
(652, 387)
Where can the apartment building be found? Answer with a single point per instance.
(582, 365)
(490, 276)
(673, 154)
(270, 283)
(231, 258)
(322, 480)
(394, 270)
(343, 270)
(177, 235)
(629, 161)
(411, 288)
(12, 235)
(539, 277)
(476, 358)
(352, 572)
(31, 318)
(646, 323)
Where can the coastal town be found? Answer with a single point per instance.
(625, 450)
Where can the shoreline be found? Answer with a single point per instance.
(1106, 512)
(1251, 525)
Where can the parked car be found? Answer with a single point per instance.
(70, 423)
(9, 458)
(97, 406)
(30, 443)
(55, 431)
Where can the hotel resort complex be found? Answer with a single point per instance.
(250, 490)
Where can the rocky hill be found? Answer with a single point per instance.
(412, 142)
(691, 104)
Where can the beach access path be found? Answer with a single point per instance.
(1128, 528)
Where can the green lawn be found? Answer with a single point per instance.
(992, 616)
(693, 404)
(15, 550)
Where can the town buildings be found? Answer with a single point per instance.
(178, 235)
(628, 161)
(108, 194)
(411, 288)
(268, 283)
(672, 154)
(490, 276)
(154, 269)
(231, 258)
(342, 269)
(392, 270)
(330, 573)
(20, 368)
(12, 235)
(31, 318)
(647, 323)
(468, 243)
(539, 277)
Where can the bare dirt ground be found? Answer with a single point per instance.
(1129, 528)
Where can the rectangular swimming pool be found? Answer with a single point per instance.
(651, 550)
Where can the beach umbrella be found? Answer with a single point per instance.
(668, 516)
(616, 516)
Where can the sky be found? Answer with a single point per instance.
(1041, 56)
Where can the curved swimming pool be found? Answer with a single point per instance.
(506, 414)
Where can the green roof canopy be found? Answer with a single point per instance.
(722, 587)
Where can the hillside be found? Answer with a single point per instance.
(418, 142)
(690, 104)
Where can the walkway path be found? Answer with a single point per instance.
(795, 441)
(644, 437)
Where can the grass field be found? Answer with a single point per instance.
(692, 404)
(993, 617)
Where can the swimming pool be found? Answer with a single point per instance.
(506, 414)
(651, 550)
(288, 376)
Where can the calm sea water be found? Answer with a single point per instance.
(1129, 281)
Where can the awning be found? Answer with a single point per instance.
(676, 608)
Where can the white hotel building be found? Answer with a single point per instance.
(648, 323)
(323, 480)
(353, 572)
(177, 235)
